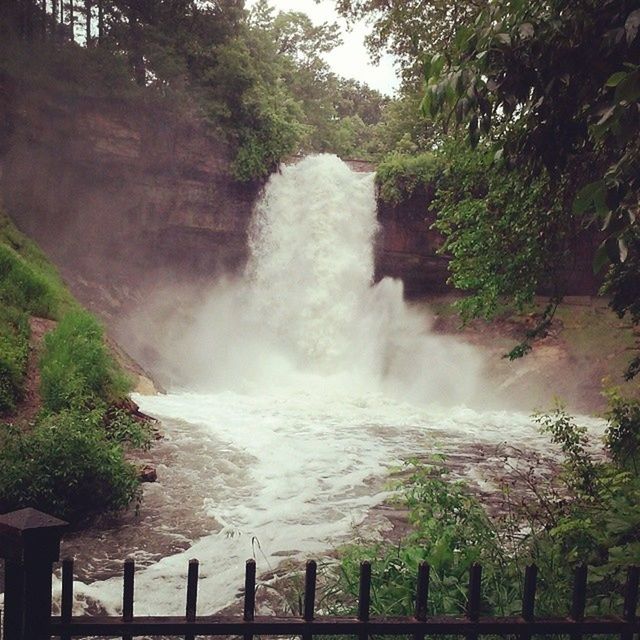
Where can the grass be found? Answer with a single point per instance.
(69, 461)
(29, 285)
(14, 352)
(76, 367)
(27, 279)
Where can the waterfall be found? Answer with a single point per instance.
(303, 383)
(306, 313)
(311, 266)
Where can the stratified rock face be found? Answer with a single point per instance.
(408, 246)
(124, 194)
(118, 192)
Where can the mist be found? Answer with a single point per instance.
(306, 314)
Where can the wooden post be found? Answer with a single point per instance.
(29, 545)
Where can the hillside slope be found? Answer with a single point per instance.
(65, 418)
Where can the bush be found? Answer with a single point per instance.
(398, 176)
(14, 352)
(65, 466)
(76, 367)
(451, 531)
(622, 437)
(586, 514)
(502, 250)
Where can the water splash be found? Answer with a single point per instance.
(307, 311)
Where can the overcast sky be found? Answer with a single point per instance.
(351, 59)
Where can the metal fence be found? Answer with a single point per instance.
(29, 543)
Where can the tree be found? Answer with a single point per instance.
(411, 30)
(555, 87)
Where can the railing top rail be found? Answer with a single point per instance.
(224, 625)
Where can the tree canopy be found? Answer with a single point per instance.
(258, 76)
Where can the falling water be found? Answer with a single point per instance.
(307, 311)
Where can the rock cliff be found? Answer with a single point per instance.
(123, 193)
(117, 192)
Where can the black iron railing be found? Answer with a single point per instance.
(29, 543)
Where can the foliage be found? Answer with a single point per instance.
(450, 532)
(27, 279)
(23, 287)
(258, 77)
(555, 86)
(501, 248)
(28, 286)
(588, 513)
(623, 433)
(399, 176)
(122, 427)
(402, 128)
(77, 370)
(70, 462)
(409, 29)
(337, 115)
(65, 466)
(622, 284)
(14, 351)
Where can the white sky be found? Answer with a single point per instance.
(351, 59)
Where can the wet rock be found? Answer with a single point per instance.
(148, 473)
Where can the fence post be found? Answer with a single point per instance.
(29, 545)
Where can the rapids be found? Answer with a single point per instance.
(296, 389)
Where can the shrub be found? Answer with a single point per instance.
(588, 513)
(451, 531)
(623, 433)
(502, 250)
(124, 428)
(76, 367)
(65, 466)
(398, 176)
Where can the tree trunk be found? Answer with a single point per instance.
(87, 7)
(54, 20)
(61, 21)
(100, 21)
(71, 20)
(136, 59)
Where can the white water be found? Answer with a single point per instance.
(305, 385)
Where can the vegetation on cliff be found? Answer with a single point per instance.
(257, 77)
(65, 454)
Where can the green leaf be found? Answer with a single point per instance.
(591, 195)
(628, 89)
(631, 25)
(623, 249)
(437, 64)
(615, 79)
